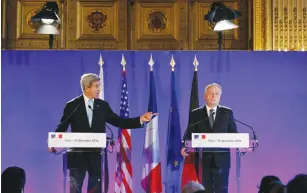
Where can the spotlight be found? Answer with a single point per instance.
(48, 18)
(219, 19)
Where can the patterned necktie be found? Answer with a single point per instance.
(90, 111)
(211, 118)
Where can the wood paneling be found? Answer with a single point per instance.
(122, 25)
(96, 24)
(204, 38)
(3, 24)
(159, 25)
(20, 32)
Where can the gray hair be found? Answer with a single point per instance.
(192, 187)
(212, 84)
(87, 80)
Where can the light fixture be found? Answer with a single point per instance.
(219, 19)
(49, 20)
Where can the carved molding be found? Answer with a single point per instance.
(280, 25)
(262, 24)
(96, 24)
(159, 25)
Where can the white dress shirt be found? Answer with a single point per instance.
(89, 111)
(86, 101)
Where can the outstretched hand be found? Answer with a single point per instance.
(147, 116)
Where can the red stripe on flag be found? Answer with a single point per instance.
(126, 185)
(154, 180)
(126, 160)
(189, 172)
(127, 137)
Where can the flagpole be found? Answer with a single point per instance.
(174, 158)
(200, 169)
(123, 176)
(103, 154)
(151, 171)
(151, 63)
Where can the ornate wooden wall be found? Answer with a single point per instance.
(157, 24)
(125, 25)
(280, 25)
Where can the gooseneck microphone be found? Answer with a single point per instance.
(53, 150)
(112, 141)
(68, 117)
(254, 134)
(193, 124)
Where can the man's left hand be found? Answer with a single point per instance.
(147, 116)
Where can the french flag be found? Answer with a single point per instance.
(151, 170)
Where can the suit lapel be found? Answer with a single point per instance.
(83, 111)
(95, 112)
(206, 117)
(217, 116)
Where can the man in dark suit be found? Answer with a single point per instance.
(89, 114)
(217, 119)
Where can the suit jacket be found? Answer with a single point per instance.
(224, 123)
(75, 115)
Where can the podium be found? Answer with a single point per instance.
(238, 144)
(79, 143)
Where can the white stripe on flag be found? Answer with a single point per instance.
(151, 132)
(127, 175)
(117, 188)
(124, 141)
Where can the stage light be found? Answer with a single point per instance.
(219, 19)
(49, 20)
(224, 25)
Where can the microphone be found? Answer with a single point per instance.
(184, 136)
(53, 150)
(112, 141)
(67, 118)
(254, 134)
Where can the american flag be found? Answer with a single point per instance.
(123, 175)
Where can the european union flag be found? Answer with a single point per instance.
(174, 161)
(52, 135)
(196, 136)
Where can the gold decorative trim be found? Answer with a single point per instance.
(268, 26)
(280, 25)
(257, 24)
(263, 39)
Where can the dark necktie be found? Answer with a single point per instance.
(211, 118)
(90, 111)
